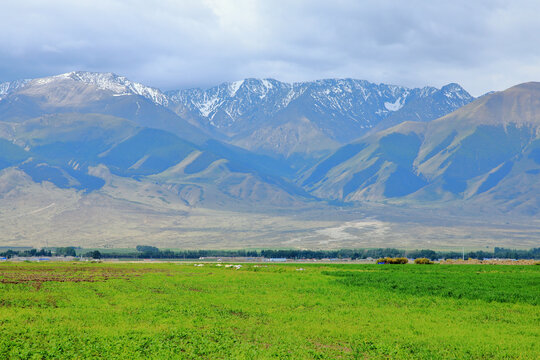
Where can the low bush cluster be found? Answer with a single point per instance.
(423, 261)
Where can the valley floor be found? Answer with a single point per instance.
(43, 216)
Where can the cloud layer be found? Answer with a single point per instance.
(483, 45)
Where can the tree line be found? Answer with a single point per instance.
(25, 253)
(151, 252)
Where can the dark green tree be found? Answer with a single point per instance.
(93, 254)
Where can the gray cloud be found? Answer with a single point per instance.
(483, 45)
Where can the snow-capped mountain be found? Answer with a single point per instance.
(339, 110)
(225, 106)
(94, 93)
(364, 103)
(119, 85)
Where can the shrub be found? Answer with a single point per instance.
(423, 261)
(388, 260)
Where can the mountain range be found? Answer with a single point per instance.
(258, 146)
(267, 116)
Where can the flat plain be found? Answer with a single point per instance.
(256, 311)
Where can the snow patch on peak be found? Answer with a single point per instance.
(267, 84)
(234, 86)
(395, 106)
(290, 96)
(208, 106)
(428, 91)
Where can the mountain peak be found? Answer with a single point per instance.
(119, 85)
(519, 105)
(452, 87)
(528, 86)
(454, 90)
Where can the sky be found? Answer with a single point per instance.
(482, 45)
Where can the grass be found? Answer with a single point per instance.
(162, 311)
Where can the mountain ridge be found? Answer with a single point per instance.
(271, 117)
(262, 115)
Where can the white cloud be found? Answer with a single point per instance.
(483, 45)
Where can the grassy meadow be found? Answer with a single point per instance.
(259, 311)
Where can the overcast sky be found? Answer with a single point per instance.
(483, 45)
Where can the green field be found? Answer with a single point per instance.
(164, 311)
